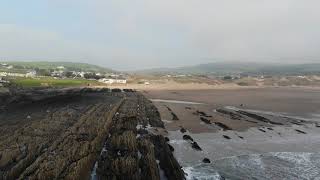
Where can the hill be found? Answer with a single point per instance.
(68, 66)
(221, 68)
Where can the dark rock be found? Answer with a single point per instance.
(167, 162)
(262, 130)
(270, 128)
(226, 137)
(201, 113)
(171, 148)
(116, 90)
(232, 114)
(301, 132)
(183, 130)
(142, 131)
(167, 139)
(259, 118)
(223, 126)
(196, 146)
(174, 116)
(207, 121)
(128, 90)
(240, 137)
(169, 109)
(187, 137)
(206, 160)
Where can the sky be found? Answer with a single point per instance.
(141, 34)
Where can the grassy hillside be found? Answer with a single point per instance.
(51, 82)
(70, 66)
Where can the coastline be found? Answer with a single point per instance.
(236, 147)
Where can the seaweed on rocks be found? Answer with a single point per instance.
(223, 126)
(259, 118)
(232, 115)
(201, 113)
(205, 120)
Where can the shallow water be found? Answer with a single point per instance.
(274, 165)
(175, 101)
(258, 156)
(307, 117)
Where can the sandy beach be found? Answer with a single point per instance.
(236, 126)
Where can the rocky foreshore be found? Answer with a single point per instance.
(68, 133)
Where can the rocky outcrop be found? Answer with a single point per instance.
(21, 97)
(52, 137)
(259, 118)
(134, 149)
(61, 134)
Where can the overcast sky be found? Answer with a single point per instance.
(139, 34)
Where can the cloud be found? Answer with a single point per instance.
(26, 43)
(125, 34)
(232, 29)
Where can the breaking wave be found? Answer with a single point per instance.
(278, 165)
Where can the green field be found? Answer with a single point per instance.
(51, 82)
(25, 66)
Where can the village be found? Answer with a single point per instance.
(9, 72)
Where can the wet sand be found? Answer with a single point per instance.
(294, 101)
(291, 102)
(243, 126)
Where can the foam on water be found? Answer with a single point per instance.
(195, 173)
(275, 165)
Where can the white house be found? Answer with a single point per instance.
(31, 74)
(4, 74)
(60, 67)
(113, 81)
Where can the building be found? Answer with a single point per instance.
(113, 81)
(60, 67)
(57, 73)
(4, 74)
(31, 74)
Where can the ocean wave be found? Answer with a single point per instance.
(275, 165)
(203, 174)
